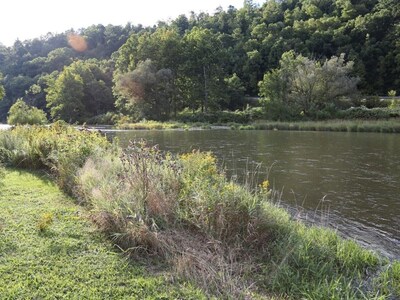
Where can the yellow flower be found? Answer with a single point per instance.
(265, 185)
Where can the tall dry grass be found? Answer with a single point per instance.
(182, 209)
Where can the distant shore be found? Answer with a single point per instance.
(384, 126)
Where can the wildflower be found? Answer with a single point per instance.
(265, 185)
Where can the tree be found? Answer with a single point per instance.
(58, 59)
(81, 91)
(204, 58)
(20, 114)
(145, 92)
(64, 97)
(235, 91)
(181, 23)
(2, 90)
(305, 86)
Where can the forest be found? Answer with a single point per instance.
(301, 57)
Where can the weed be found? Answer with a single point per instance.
(59, 148)
(45, 221)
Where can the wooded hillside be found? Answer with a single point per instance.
(202, 61)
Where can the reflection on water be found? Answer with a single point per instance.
(349, 181)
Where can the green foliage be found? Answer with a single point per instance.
(394, 103)
(58, 58)
(302, 87)
(389, 280)
(191, 67)
(57, 148)
(384, 126)
(151, 125)
(109, 118)
(314, 263)
(369, 114)
(45, 221)
(64, 98)
(204, 57)
(235, 91)
(207, 53)
(82, 90)
(145, 92)
(20, 114)
(2, 90)
(221, 117)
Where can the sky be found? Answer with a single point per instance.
(28, 19)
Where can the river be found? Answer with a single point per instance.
(347, 181)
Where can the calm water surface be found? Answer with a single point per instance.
(348, 181)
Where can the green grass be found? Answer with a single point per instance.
(156, 125)
(384, 126)
(389, 279)
(153, 125)
(49, 250)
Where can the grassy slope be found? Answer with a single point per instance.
(68, 259)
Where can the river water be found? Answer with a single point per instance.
(347, 181)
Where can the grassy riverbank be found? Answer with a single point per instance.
(156, 125)
(50, 250)
(224, 238)
(387, 126)
(384, 126)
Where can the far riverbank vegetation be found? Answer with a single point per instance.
(280, 61)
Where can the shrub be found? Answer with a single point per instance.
(59, 148)
(161, 192)
(394, 103)
(370, 114)
(21, 113)
(108, 118)
(238, 116)
(373, 102)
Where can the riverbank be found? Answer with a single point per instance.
(384, 126)
(49, 250)
(181, 210)
(387, 126)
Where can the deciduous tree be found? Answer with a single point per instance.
(146, 92)
(305, 86)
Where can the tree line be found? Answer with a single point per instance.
(301, 56)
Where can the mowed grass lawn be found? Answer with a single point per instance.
(50, 250)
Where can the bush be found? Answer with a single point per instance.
(108, 118)
(163, 192)
(21, 113)
(369, 114)
(374, 102)
(180, 208)
(59, 148)
(238, 116)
